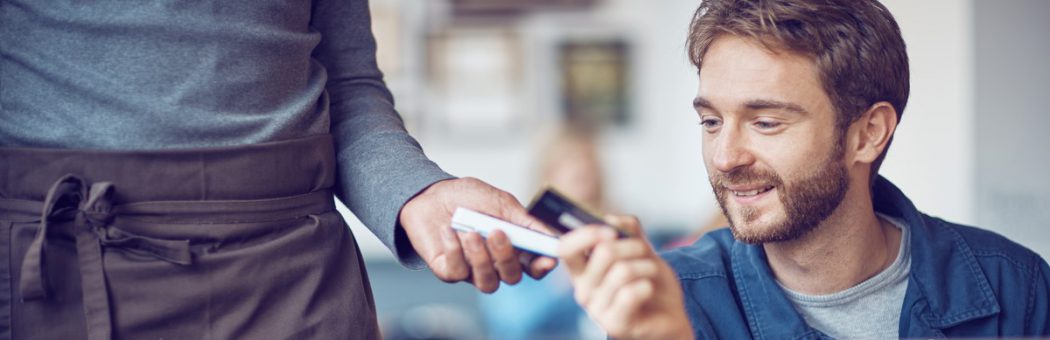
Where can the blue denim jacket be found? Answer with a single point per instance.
(964, 282)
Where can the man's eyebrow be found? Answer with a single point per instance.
(755, 104)
(766, 104)
(700, 102)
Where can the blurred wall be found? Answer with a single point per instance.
(1012, 146)
(932, 158)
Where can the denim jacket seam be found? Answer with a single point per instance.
(1028, 270)
(812, 334)
(745, 300)
(1030, 305)
(701, 275)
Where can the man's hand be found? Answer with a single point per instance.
(455, 257)
(624, 286)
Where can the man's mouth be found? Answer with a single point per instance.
(752, 192)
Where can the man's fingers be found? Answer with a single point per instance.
(628, 301)
(618, 317)
(603, 257)
(485, 277)
(574, 247)
(504, 257)
(620, 275)
(629, 224)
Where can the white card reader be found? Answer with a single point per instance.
(467, 220)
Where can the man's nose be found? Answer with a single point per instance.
(731, 151)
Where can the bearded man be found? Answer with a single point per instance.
(799, 100)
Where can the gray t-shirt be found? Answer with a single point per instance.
(869, 310)
(116, 74)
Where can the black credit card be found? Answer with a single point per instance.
(559, 212)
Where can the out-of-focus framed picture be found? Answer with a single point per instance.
(594, 82)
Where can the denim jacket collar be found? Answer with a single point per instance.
(946, 286)
(944, 270)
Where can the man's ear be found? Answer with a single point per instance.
(871, 133)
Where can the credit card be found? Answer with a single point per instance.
(562, 214)
(526, 239)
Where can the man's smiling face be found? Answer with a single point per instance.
(770, 144)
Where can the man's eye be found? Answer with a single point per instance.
(767, 125)
(710, 123)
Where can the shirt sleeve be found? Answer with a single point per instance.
(380, 167)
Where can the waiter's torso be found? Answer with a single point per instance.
(114, 74)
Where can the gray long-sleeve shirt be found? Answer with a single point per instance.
(112, 74)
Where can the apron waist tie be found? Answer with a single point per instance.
(89, 206)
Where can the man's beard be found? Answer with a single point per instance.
(807, 202)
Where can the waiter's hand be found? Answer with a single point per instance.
(455, 257)
(624, 286)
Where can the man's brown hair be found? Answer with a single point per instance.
(856, 45)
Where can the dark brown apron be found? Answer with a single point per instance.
(218, 243)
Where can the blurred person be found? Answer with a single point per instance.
(799, 100)
(545, 309)
(167, 170)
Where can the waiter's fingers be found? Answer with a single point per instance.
(481, 266)
(449, 264)
(504, 257)
(539, 266)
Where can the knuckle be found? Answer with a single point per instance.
(451, 276)
(458, 273)
(472, 181)
(509, 274)
(452, 248)
(619, 272)
(647, 268)
(633, 294)
(601, 253)
(630, 272)
(644, 291)
(504, 256)
(508, 265)
(638, 247)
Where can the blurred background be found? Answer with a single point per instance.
(491, 87)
